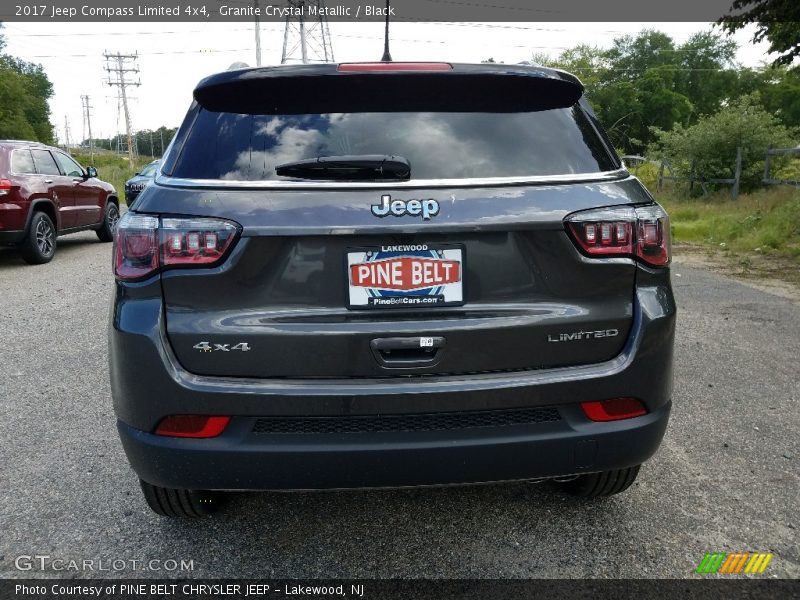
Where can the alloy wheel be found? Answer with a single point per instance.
(45, 237)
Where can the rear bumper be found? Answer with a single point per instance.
(148, 384)
(240, 459)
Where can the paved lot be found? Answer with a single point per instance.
(726, 478)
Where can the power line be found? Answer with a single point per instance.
(209, 51)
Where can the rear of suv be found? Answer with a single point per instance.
(45, 193)
(385, 275)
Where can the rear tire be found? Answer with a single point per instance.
(174, 503)
(598, 485)
(39, 246)
(110, 218)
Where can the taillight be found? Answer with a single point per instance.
(639, 232)
(616, 409)
(135, 246)
(195, 241)
(144, 245)
(5, 187)
(192, 426)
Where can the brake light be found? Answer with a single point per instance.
(192, 426)
(616, 409)
(639, 232)
(5, 187)
(393, 66)
(145, 245)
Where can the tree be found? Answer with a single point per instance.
(710, 145)
(630, 56)
(779, 88)
(778, 21)
(24, 92)
(708, 72)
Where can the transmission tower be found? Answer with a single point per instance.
(307, 37)
(118, 66)
(87, 123)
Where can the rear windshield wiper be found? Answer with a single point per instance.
(348, 168)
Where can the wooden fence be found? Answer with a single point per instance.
(767, 180)
(695, 178)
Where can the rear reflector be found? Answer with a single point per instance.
(192, 426)
(393, 66)
(613, 410)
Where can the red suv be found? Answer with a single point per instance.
(44, 193)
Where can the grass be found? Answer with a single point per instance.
(113, 168)
(765, 222)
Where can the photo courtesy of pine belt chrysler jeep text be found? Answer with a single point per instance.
(385, 275)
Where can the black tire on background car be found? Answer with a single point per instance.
(169, 502)
(39, 245)
(606, 483)
(106, 231)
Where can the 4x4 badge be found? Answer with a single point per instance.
(427, 208)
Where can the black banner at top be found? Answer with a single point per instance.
(120, 11)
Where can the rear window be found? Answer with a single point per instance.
(438, 145)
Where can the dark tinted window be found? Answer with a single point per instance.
(438, 145)
(22, 162)
(45, 163)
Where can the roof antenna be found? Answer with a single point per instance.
(386, 56)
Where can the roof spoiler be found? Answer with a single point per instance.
(312, 89)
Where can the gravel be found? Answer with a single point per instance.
(726, 478)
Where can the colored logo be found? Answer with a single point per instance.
(405, 273)
(734, 562)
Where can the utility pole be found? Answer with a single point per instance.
(66, 134)
(87, 119)
(311, 38)
(161, 135)
(117, 64)
(258, 34)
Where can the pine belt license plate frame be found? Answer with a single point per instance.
(360, 297)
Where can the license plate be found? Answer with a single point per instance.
(405, 276)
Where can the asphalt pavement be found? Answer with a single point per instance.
(726, 479)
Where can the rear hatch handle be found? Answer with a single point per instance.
(407, 352)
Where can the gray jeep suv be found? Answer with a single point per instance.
(389, 274)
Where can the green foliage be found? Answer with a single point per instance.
(765, 222)
(647, 80)
(147, 142)
(777, 21)
(24, 92)
(779, 88)
(711, 143)
(112, 167)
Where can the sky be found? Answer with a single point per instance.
(173, 57)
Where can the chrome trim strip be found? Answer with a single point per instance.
(417, 183)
